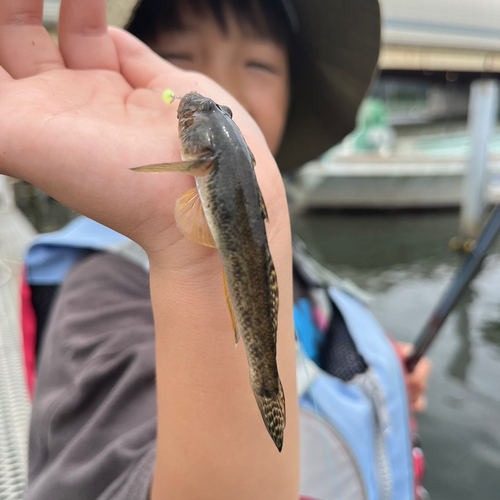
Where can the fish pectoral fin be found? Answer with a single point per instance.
(263, 209)
(231, 311)
(191, 219)
(198, 167)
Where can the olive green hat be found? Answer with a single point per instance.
(340, 42)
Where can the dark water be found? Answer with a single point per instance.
(404, 262)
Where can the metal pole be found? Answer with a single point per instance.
(483, 107)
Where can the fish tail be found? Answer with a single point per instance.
(272, 409)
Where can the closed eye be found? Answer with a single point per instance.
(261, 66)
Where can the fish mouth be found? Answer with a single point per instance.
(190, 103)
(194, 123)
(192, 112)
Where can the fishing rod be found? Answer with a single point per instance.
(465, 275)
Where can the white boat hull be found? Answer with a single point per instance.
(385, 184)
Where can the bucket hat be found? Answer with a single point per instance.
(339, 42)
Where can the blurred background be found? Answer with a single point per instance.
(380, 209)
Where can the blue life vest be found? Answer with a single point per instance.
(359, 428)
(368, 415)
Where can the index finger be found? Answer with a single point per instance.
(26, 48)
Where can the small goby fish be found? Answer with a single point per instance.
(226, 210)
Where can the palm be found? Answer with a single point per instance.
(83, 128)
(86, 129)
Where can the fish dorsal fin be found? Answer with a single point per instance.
(231, 311)
(191, 219)
(263, 209)
(200, 167)
(252, 157)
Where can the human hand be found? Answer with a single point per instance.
(74, 120)
(416, 381)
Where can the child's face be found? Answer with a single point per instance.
(253, 69)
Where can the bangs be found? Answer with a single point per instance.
(264, 18)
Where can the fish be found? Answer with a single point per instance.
(226, 210)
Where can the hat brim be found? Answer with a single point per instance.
(339, 41)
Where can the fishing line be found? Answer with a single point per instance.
(322, 430)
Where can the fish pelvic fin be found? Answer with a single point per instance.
(191, 219)
(231, 310)
(199, 167)
(273, 411)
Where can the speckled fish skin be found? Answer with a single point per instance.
(235, 213)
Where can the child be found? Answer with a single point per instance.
(96, 431)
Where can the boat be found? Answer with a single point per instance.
(367, 181)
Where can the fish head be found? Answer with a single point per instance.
(194, 103)
(199, 118)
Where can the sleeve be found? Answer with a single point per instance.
(93, 428)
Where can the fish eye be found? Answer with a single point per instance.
(205, 106)
(226, 110)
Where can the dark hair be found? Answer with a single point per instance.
(267, 18)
